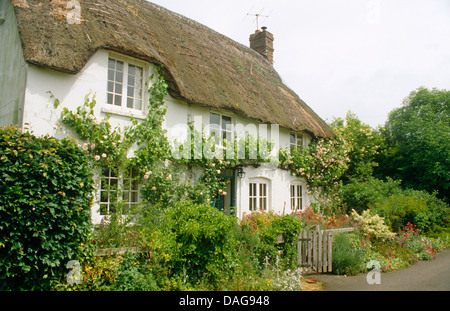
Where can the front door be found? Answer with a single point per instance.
(225, 203)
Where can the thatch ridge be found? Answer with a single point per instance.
(201, 66)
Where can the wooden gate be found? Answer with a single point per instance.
(315, 249)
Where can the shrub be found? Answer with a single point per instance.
(261, 231)
(372, 225)
(45, 221)
(417, 207)
(268, 246)
(348, 256)
(192, 241)
(359, 196)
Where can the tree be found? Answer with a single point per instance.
(363, 145)
(417, 142)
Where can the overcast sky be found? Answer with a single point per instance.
(360, 55)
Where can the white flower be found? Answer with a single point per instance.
(218, 171)
(97, 157)
(104, 155)
(85, 147)
(154, 188)
(169, 177)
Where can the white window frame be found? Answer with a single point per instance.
(296, 196)
(259, 195)
(123, 107)
(295, 145)
(120, 181)
(228, 131)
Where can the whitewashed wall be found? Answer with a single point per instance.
(42, 118)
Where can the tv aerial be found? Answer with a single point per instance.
(258, 16)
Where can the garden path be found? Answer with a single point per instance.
(431, 275)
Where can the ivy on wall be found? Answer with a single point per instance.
(167, 169)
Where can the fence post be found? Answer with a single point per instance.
(330, 252)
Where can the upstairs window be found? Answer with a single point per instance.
(297, 142)
(221, 128)
(125, 84)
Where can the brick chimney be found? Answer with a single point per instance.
(262, 42)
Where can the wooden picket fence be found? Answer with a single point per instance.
(315, 249)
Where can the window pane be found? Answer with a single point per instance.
(110, 99)
(214, 119)
(118, 88)
(118, 100)
(110, 75)
(130, 102)
(103, 209)
(299, 141)
(119, 77)
(110, 86)
(119, 66)
(131, 79)
(226, 123)
(104, 196)
(226, 135)
(111, 64)
(131, 70)
(138, 104)
(292, 138)
(134, 197)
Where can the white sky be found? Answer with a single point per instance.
(360, 55)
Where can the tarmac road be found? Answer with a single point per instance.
(431, 275)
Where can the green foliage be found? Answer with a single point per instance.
(360, 195)
(397, 206)
(348, 256)
(417, 136)
(266, 228)
(195, 241)
(416, 207)
(389, 253)
(106, 145)
(363, 145)
(45, 208)
(322, 164)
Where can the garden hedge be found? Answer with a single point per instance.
(46, 191)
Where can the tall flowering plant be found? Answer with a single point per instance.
(322, 164)
(409, 237)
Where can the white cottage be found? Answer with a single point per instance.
(109, 47)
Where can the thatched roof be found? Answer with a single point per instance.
(202, 66)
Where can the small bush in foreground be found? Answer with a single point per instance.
(348, 256)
